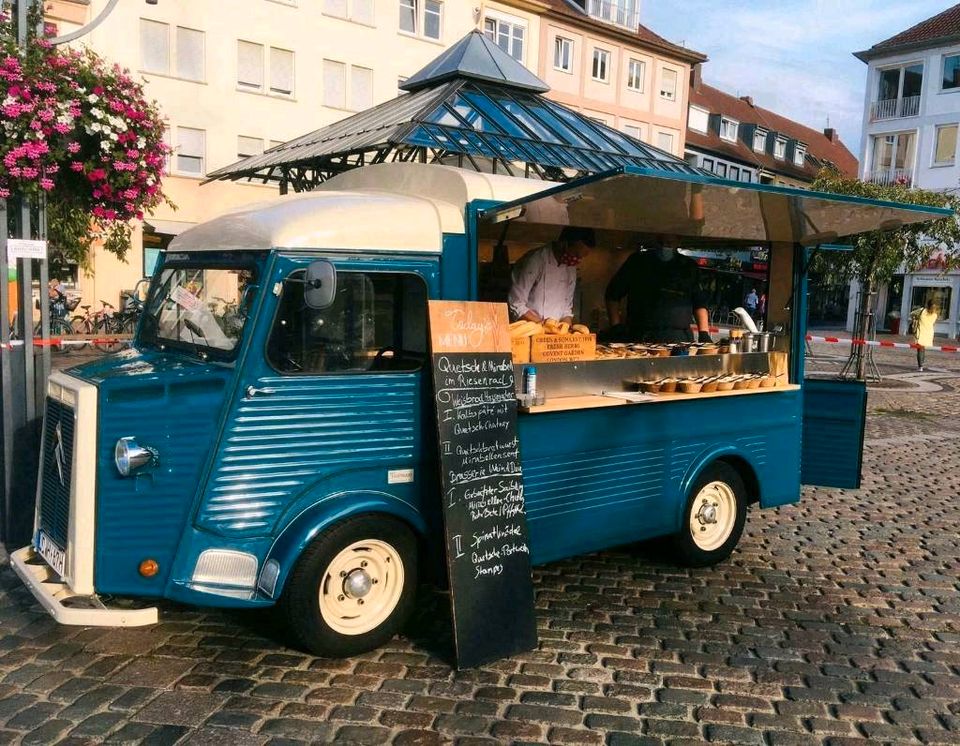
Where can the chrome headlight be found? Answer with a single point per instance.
(130, 457)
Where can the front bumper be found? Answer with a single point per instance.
(68, 607)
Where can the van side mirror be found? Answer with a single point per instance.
(320, 285)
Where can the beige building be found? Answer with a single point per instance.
(232, 84)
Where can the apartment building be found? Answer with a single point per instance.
(736, 139)
(599, 59)
(910, 123)
(235, 78)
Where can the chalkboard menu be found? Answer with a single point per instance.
(488, 559)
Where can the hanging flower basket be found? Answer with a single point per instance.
(79, 131)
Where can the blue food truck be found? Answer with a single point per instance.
(256, 448)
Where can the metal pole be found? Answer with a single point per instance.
(26, 315)
(40, 389)
(6, 373)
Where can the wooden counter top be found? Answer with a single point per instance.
(568, 403)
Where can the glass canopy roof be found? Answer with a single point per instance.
(465, 109)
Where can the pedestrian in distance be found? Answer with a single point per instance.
(924, 330)
(751, 302)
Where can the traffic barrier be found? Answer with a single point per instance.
(77, 339)
(882, 343)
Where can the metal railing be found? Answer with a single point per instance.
(894, 108)
(891, 176)
(621, 12)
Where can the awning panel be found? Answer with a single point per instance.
(702, 210)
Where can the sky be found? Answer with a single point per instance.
(794, 57)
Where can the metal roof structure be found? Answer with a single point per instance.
(473, 107)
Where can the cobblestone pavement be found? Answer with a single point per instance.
(837, 620)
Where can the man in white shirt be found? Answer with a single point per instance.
(544, 280)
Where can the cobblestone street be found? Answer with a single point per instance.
(837, 620)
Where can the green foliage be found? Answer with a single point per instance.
(878, 255)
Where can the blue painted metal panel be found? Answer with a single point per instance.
(141, 517)
(601, 477)
(834, 416)
(455, 265)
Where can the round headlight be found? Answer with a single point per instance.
(129, 456)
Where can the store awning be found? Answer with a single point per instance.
(166, 227)
(702, 211)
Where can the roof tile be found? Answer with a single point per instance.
(943, 27)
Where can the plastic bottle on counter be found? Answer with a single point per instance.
(530, 381)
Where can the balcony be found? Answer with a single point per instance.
(624, 13)
(894, 108)
(887, 176)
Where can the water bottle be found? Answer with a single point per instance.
(530, 381)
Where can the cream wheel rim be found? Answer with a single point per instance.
(713, 515)
(361, 587)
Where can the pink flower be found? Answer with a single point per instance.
(76, 166)
(4, 193)
(73, 147)
(46, 184)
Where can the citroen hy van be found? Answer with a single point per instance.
(255, 448)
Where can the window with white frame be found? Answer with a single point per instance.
(734, 173)
(182, 55)
(191, 151)
(636, 71)
(665, 141)
(563, 54)
(945, 145)
(746, 176)
(698, 119)
(252, 74)
(506, 33)
(721, 170)
(707, 164)
(799, 154)
(248, 147)
(601, 65)
(250, 65)
(760, 140)
(633, 130)
(950, 80)
(728, 129)
(668, 84)
(422, 17)
(780, 148)
(361, 88)
(281, 71)
(334, 84)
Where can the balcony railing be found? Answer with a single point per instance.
(893, 108)
(886, 176)
(621, 12)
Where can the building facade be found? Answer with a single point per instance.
(735, 139)
(233, 84)
(910, 122)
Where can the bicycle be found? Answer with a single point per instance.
(98, 322)
(59, 325)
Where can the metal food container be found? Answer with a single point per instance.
(764, 340)
(749, 340)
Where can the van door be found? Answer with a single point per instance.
(330, 402)
(834, 417)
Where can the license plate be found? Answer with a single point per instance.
(52, 553)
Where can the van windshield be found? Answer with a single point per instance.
(199, 309)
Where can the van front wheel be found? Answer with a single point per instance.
(713, 520)
(353, 587)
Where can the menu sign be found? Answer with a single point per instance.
(488, 559)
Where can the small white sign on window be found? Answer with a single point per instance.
(399, 476)
(183, 297)
(21, 248)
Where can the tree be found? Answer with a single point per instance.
(876, 256)
(79, 133)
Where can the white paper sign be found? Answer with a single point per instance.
(183, 297)
(21, 248)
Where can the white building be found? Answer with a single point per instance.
(910, 124)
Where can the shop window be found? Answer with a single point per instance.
(941, 296)
(377, 323)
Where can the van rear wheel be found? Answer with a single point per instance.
(353, 587)
(714, 517)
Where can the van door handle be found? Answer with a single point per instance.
(253, 391)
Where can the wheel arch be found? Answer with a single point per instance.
(297, 535)
(728, 455)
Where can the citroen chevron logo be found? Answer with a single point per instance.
(58, 453)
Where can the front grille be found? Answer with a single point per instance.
(57, 471)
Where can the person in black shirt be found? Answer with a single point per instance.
(663, 297)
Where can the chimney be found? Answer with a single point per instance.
(748, 100)
(831, 134)
(696, 76)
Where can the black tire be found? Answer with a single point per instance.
(315, 587)
(107, 326)
(61, 328)
(717, 485)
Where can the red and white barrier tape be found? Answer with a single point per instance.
(882, 343)
(60, 342)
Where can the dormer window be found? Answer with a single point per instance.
(799, 154)
(780, 148)
(624, 13)
(728, 129)
(760, 140)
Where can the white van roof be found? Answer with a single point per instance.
(386, 207)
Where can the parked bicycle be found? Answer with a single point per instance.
(60, 326)
(98, 322)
